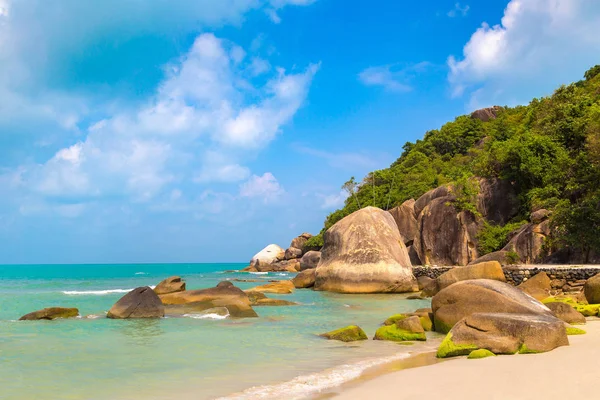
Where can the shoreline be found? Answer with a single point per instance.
(535, 374)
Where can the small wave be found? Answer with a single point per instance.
(259, 273)
(206, 316)
(141, 273)
(95, 292)
(304, 385)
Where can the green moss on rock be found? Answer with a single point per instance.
(450, 349)
(526, 350)
(571, 330)
(350, 333)
(481, 353)
(588, 310)
(394, 318)
(425, 320)
(393, 333)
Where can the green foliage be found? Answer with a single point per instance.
(494, 237)
(512, 257)
(549, 150)
(315, 242)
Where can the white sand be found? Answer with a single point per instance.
(564, 373)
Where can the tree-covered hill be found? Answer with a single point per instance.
(549, 150)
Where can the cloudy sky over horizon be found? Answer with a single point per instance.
(203, 130)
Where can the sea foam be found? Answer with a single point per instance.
(96, 292)
(305, 385)
(206, 316)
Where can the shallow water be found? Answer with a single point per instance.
(98, 358)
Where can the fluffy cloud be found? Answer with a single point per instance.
(205, 101)
(392, 78)
(524, 56)
(459, 10)
(264, 187)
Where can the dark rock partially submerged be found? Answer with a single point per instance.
(350, 333)
(170, 285)
(50, 314)
(141, 302)
(305, 279)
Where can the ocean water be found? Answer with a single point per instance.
(275, 356)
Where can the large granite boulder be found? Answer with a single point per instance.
(280, 287)
(269, 255)
(497, 200)
(486, 114)
(258, 299)
(446, 236)
(141, 302)
(488, 270)
(292, 253)
(464, 298)
(566, 313)
(428, 286)
(405, 329)
(504, 333)
(414, 257)
(591, 289)
(431, 195)
(170, 285)
(406, 219)
(364, 253)
(528, 242)
(225, 294)
(300, 242)
(538, 286)
(539, 216)
(310, 260)
(279, 266)
(50, 314)
(305, 279)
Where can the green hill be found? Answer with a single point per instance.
(549, 150)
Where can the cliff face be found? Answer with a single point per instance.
(478, 181)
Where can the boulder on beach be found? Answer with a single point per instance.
(538, 286)
(305, 279)
(428, 286)
(566, 313)
(504, 333)
(464, 298)
(350, 333)
(141, 302)
(170, 285)
(225, 294)
(446, 235)
(424, 314)
(364, 253)
(488, 270)
(406, 220)
(50, 314)
(269, 255)
(292, 253)
(280, 287)
(591, 289)
(405, 329)
(310, 260)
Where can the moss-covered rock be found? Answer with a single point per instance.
(394, 318)
(50, 314)
(481, 353)
(450, 349)
(350, 333)
(571, 330)
(393, 333)
(424, 315)
(526, 350)
(588, 310)
(566, 313)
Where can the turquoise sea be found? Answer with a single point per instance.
(275, 356)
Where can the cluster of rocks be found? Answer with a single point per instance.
(297, 257)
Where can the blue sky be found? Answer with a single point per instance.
(201, 131)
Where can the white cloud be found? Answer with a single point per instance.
(538, 45)
(264, 187)
(203, 102)
(392, 78)
(341, 160)
(459, 10)
(334, 201)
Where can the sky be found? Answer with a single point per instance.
(203, 130)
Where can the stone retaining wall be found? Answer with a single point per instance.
(565, 278)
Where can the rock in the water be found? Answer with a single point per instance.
(566, 313)
(424, 315)
(497, 200)
(141, 302)
(538, 286)
(406, 220)
(281, 287)
(350, 333)
(258, 299)
(464, 298)
(269, 255)
(305, 279)
(224, 295)
(446, 236)
(429, 286)
(591, 289)
(300, 242)
(503, 333)
(279, 266)
(310, 260)
(364, 253)
(431, 195)
(405, 329)
(486, 114)
(170, 285)
(488, 270)
(292, 253)
(50, 313)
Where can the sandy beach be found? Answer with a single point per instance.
(567, 372)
